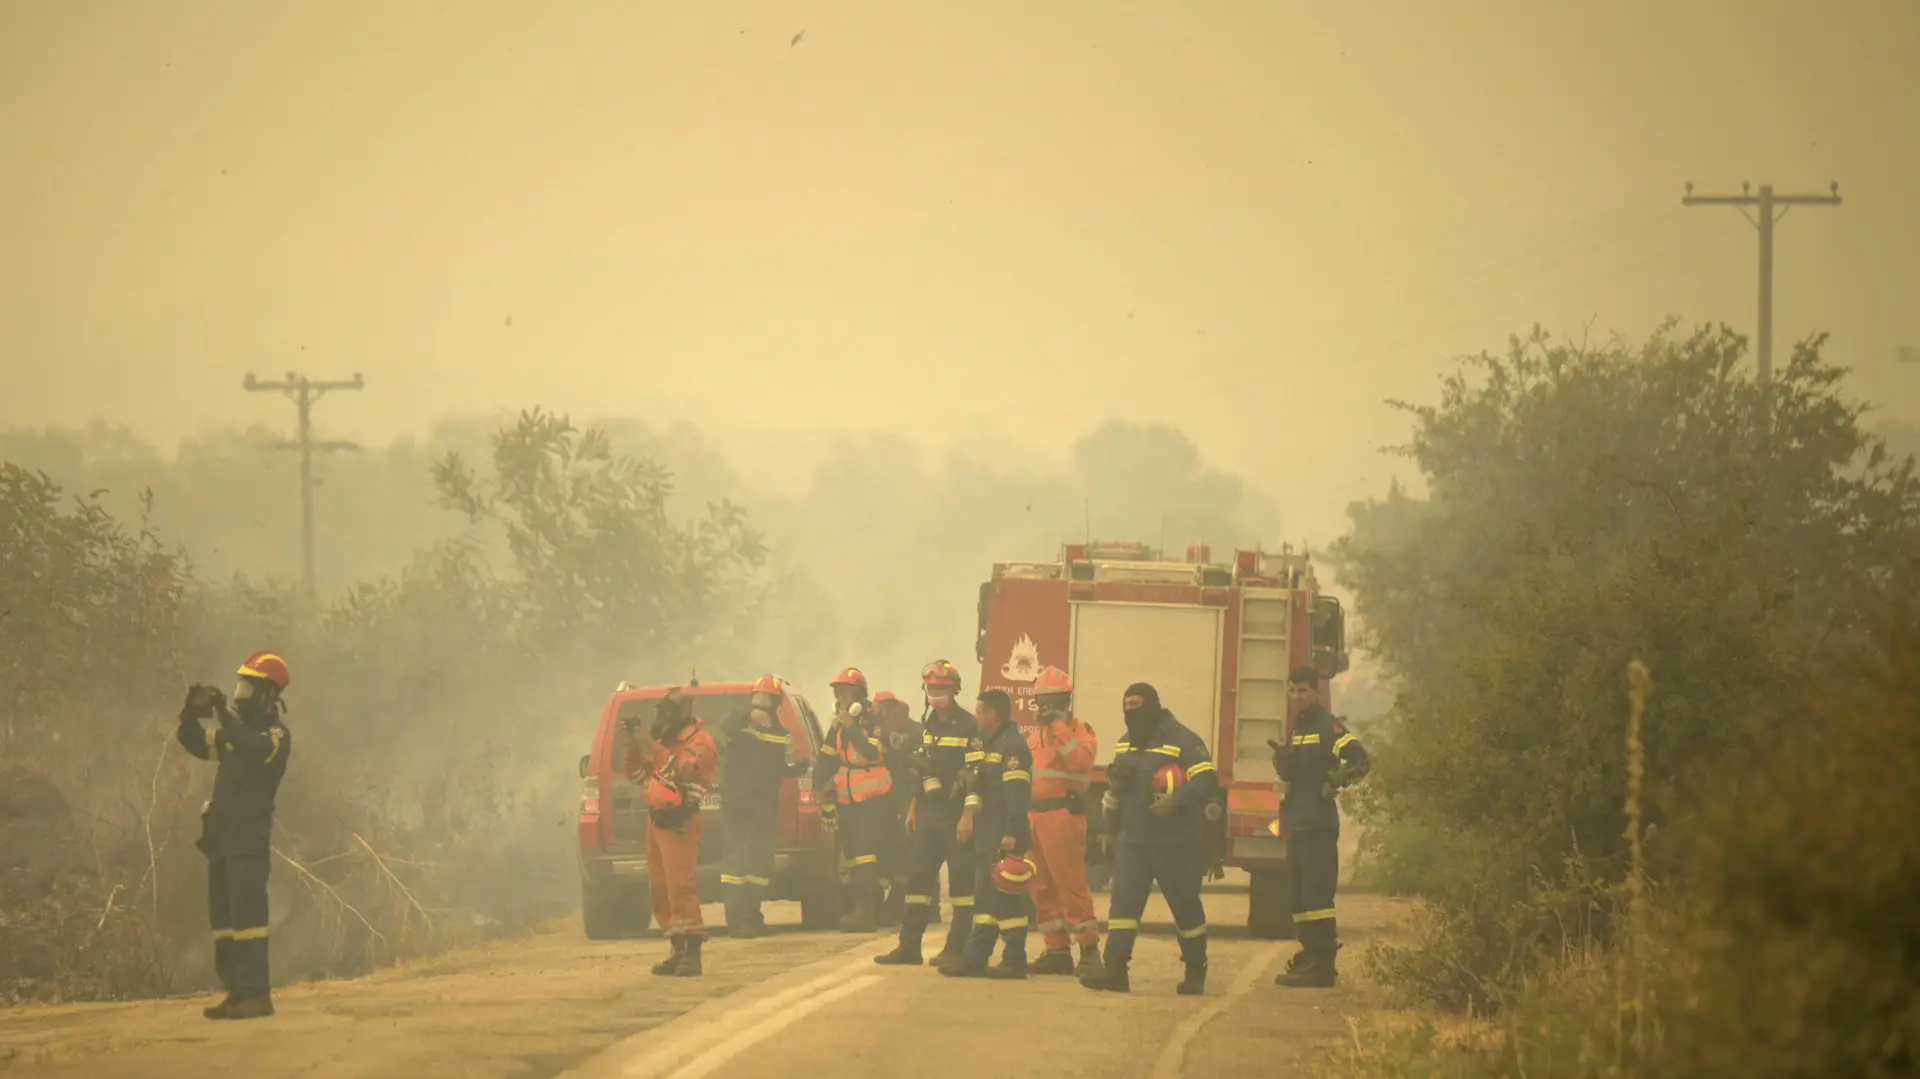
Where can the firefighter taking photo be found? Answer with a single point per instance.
(245, 735)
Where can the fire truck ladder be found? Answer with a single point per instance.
(1261, 704)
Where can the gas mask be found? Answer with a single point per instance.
(668, 717)
(765, 701)
(1053, 708)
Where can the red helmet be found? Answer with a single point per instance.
(1051, 680)
(851, 677)
(1169, 778)
(885, 696)
(1013, 874)
(267, 665)
(940, 675)
(767, 684)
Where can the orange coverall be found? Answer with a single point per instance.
(1063, 755)
(673, 848)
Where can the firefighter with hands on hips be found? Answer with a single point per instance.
(994, 817)
(1322, 757)
(675, 771)
(1063, 754)
(950, 747)
(251, 744)
(759, 759)
(901, 738)
(1158, 787)
(852, 764)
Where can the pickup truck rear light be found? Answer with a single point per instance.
(805, 783)
(590, 796)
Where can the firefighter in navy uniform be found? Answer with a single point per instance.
(1158, 787)
(901, 737)
(759, 760)
(994, 817)
(852, 764)
(950, 742)
(1323, 756)
(251, 744)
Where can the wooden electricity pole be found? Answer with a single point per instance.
(1769, 209)
(304, 391)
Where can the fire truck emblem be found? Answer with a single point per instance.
(1023, 663)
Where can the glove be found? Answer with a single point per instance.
(1006, 844)
(829, 817)
(1163, 805)
(196, 704)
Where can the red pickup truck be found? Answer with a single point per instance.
(614, 901)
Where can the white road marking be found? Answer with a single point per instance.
(706, 1062)
(1174, 1056)
(718, 1021)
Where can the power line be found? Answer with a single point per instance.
(1766, 203)
(303, 392)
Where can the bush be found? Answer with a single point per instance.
(1586, 507)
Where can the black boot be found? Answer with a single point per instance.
(1012, 966)
(689, 965)
(1089, 962)
(1052, 962)
(671, 963)
(257, 1007)
(907, 952)
(220, 1010)
(1110, 977)
(1195, 983)
(1309, 970)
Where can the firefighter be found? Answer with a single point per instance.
(950, 743)
(852, 764)
(994, 818)
(1063, 754)
(759, 760)
(675, 773)
(901, 738)
(1322, 757)
(1158, 787)
(251, 743)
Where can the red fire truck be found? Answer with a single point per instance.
(1216, 640)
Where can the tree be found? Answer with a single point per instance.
(1585, 508)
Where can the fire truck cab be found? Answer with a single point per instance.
(1216, 640)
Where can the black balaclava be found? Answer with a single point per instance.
(1149, 713)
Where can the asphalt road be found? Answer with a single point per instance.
(794, 1003)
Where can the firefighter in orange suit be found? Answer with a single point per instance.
(675, 773)
(852, 763)
(1063, 754)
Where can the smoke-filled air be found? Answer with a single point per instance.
(1057, 539)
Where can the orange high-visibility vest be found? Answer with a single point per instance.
(857, 781)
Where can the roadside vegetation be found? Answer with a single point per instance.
(1727, 890)
(506, 578)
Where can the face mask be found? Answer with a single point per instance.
(764, 700)
(1136, 716)
(242, 690)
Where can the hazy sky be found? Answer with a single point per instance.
(992, 220)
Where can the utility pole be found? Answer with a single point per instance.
(1770, 209)
(303, 392)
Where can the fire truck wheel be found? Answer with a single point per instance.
(614, 911)
(1269, 906)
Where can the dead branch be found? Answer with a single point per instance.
(308, 875)
(384, 868)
